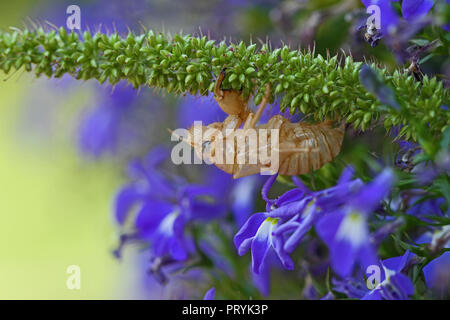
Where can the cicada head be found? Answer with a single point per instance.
(232, 102)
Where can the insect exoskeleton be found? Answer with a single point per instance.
(306, 147)
(279, 145)
(232, 102)
(300, 147)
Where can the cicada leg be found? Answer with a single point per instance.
(218, 92)
(253, 118)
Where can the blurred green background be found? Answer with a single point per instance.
(54, 206)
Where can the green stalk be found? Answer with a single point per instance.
(312, 84)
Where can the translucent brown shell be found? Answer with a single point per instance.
(302, 147)
(307, 147)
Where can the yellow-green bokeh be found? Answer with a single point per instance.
(55, 207)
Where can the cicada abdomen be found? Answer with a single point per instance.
(307, 147)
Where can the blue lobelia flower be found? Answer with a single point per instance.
(162, 222)
(437, 274)
(411, 10)
(388, 16)
(352, 288)
(164, 206)
(414, 9)
(101, 126)
(398, 32)
(345, 230)
(210, 294)
(306, 207)
(288, 218)
(257, 234)
(148, 182)
(394, 284)
(437, 271)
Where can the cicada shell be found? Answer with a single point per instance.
(300, 147)
(306, 147)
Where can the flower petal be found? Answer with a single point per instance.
(403, 284)
(293, 241)
(261, 280)
(328, 225)
(289, 210)
(343, 256)
(261, 245)
(369, 198)
(413, 9)
(249, 229)
(124, 201)
(398, 263)
(284, 257)
(151, 215)
(290, 196)
(372, 295)
(346, 175)
(209, 295)
(266, 187)
(437, 272)
(367, 255)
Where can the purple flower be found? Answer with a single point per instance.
(397, 31)
(162, 221)
(163, 224)
(302, 208)
(352, 288)
(437, 271)
(102, 125)
(164, 207)
(261, 280)
(414, 9)
(148, 183)
(288, 218)
(346, 231)
(411, 10)
(418, 206)
(257, 234)
(388, 16)
(210, 294)
(394, 284)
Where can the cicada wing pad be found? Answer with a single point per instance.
(309, 146)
